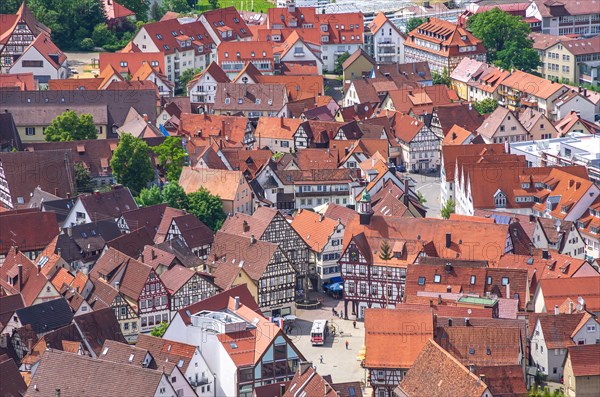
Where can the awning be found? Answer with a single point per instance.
(336, 279)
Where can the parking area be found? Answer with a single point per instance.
(341, 363)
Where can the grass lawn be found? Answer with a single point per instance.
(247, 5)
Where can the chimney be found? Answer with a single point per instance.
(467, 322)
(152, 254)
(556, 310)
(68, 195)
(145, 117)
(448, 240)
(20, 267)
(304, 365)
(472, 368)
(430, 302)
(39, 268)
(508, 291)
(439, 299)
(56, 191)
(237, 302)
(281, 389)
(245, 227)
(585, 92)
(545, 254)
(117, 285)
(252, 239)
(70, 231)
(482, 378)
(57, 392)
(450, 322)
(570, 307)
(406, 190)
(531, 218)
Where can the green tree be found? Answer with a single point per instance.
(69, 126)
(131, 163)
(207, 207)
(83, 179)
(421, 198)
(171, 157)
(140, 7)
(175, 196)
(156, 12)
(538, 391)
(149, 196)
(506, 39)
(448, 208)
(339, 63)
(9, 6)
(385, 252)
(159, 330)
(486, 106)
(214, 4)
(413, 23)
(102, 35)
(180, 6)
(186, 76)
(441, 78)
(87, 44)
(71, 21)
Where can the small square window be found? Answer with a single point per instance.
(437, 278)
(421, 280)
(504, 280)
(473, 280)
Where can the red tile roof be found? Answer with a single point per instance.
(227, 18)
(164, 35)
(45, 46)
(308, 382)
(16, 230)
(557, 290)
(559, 329)
(17, 81)
(436, 372)
(314, 228)
(298, 87)
(395, 337)
(206, 125)
(585, 360)
(503, 380)
(449, 36)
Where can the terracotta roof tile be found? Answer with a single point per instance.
(503, 380)
(223, 183)
(585, 360)
(314, 228)
(559, 329)
(436, 372)
(395, 337)
(309, 383)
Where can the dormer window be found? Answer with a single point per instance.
(421, 280)
(437, 278)
(227, 101)
(226, 55)
(252, 54)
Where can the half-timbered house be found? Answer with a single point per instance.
(193, 232)
(268, 224)
(105, 295)
(187, 286)
(139, 285)
(420, 147)
(264, 263)
(371, 281)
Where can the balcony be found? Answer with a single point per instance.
(198, 382)
(386, 43)
(299, 54)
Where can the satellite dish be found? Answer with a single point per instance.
(469, 312)
(579, 308)
(580, 300)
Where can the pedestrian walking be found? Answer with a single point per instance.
(341, 314)
(347, 343)
(333, 311)
(321, 359)
(354, 323)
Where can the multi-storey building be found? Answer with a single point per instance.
(203, 87)
(264, 263)
(232, 56)
(589, 227)
(580, 18)
(186, 44)
(372, 282)
(384, 42)
(420, 146)
(324, 236)
(267, 224)
(228, 324)
(442, 44)
(335, 34)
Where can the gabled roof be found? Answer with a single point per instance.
(503, 380)
(436, 372)
(215, 71)
(46, 47)
(395, 337)
(13, 383)
(98, 326)
(379, 21)
(559, 329)
(207, 125)
(165, 34)
(532, 85)
(230, 19)
(557, 290)
(357, 54)
(248, 225)
(165, 223)
(456, 136)
(123, 353)
(16, 230)
(315, 229)
(193, 231)
(17, 81)
(232, 97)
(447, 35)
(108, 205)
(70, 372)
(132, 62)
(278, 128)
(22, 179)
(164, 350)
(223, 183)
(46, 316)
(585, 360)
(131, 244)
(148, 217)
(130, 273)
(308, 382)
(249, 71)
(298, 87)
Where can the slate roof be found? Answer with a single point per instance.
(46, 316)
